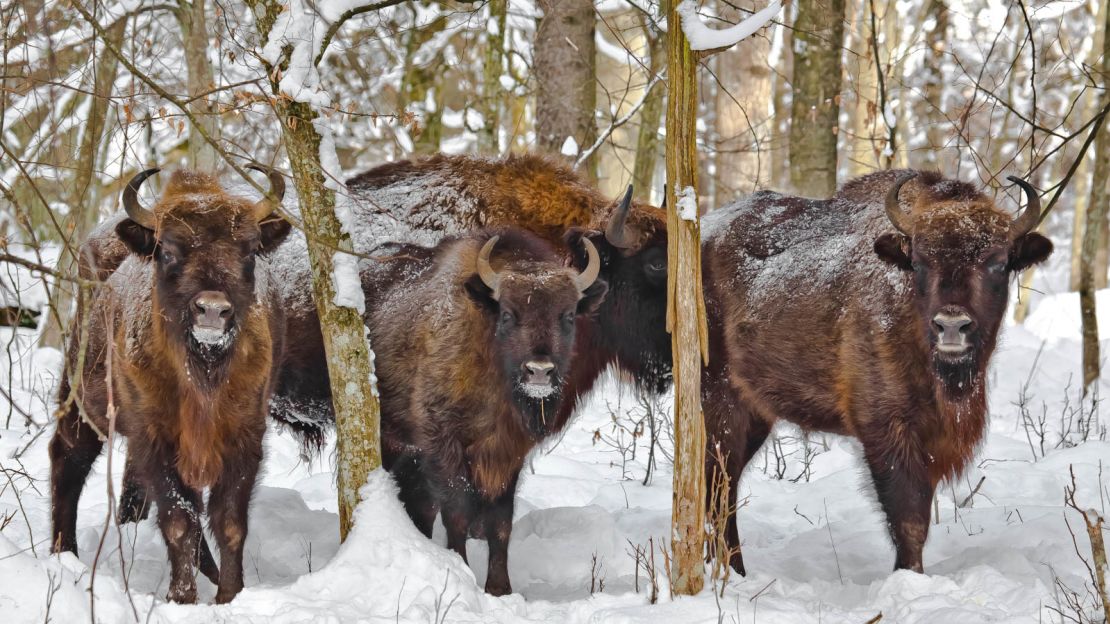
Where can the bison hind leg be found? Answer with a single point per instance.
(73, 449)
(415, 493)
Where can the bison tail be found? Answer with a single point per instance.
(309, 418)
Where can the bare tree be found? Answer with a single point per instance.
(815, 112)
(565, 68)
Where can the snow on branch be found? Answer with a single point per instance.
(703, 38)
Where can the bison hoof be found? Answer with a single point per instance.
(736, 562)
(226, 596)
(498, 588)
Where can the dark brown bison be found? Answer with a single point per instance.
(475, 344)
(858, 316)
(184, 339)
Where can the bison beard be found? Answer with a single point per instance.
(822, 316)
(191, 403)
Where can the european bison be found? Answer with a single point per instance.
(855, 316)
(184, 339)
(474, 343)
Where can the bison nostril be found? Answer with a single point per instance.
(952, 323)
(539, 369)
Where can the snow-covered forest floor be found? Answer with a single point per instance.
(814, 540)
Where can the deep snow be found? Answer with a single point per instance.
(817, 550)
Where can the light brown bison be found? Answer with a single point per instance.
(185, 339)
(871, 314)
(475, 344)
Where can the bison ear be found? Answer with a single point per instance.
(593, 297)
(273, 232)
(1028, 250)
(894, 249)
(139, 240)
(481, 294)
(578, 258)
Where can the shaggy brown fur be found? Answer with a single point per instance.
(456, 421)
(193, 409)
(821, 316)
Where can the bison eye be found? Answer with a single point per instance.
(166, 256)
(998, 267)
(568, 319)
(506, 317)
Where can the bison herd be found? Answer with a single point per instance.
(497, 294)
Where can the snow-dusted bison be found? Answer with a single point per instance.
(475, 344)
(183, 339)
(871, 314)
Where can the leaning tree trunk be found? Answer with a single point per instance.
(744, 119)
(83, 202)
(685, 312)
(565, 66)
(818, 39)
(350, 363)
(199, 82)
(1095, 230)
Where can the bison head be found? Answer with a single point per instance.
(631, 321)
(534, 306)
(961, 250)
(203, 243)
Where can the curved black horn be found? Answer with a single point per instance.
(136, 212)
(617, 231)
(588, 276)
(277, 191)
(899, 219)
(1031, 216)
(485, 271)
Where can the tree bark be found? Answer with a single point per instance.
(488, 136)
(418, 83)
(565, 66)
(685, 315)
(647, 141)
(744, 117)
(930, 106)
(83, 201)
(780, 137)
(1094, 233)
(818, 42)
(350, 364)
(199, 80)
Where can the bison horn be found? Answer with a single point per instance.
(136, 212)
(617, 231)
(266, 207)
(1031, 216)
(587, 277)
(899, 219)
(489, 277)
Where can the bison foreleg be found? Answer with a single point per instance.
(228, 505)
(906, 493)
(73, 449)
(498, 521)
(179, 508)
(134, 504)
(414, 493)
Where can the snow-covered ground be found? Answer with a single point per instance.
(817, 549)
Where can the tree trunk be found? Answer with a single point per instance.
(565, 67)
(818, 39)
(418, 83)
(685, 315)
(350, 363)
(930, 106)
(199, 80)
(744, 118)
(647, 141)
(86, 193)
(780, 137)
(488, 136)
(1095, 231)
